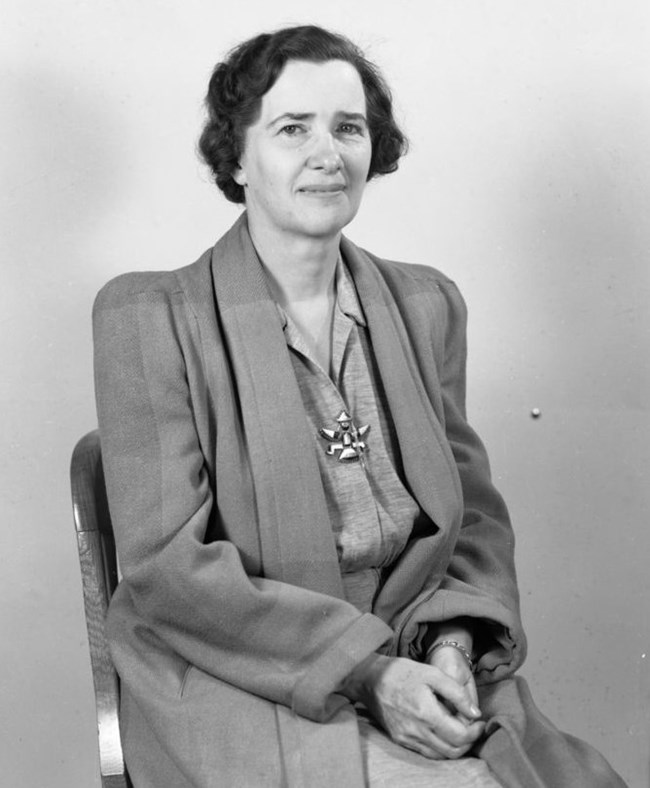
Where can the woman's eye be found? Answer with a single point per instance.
(291, 129)
(350, 128)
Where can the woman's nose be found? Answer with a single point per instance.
(325, 155)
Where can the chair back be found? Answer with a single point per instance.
(99, 577)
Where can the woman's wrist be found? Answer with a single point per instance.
(359, 682)
(451, 644)
(458, 630)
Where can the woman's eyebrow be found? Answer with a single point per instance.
(295, 116)
(358, 116)
(291, 116)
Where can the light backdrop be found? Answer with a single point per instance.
(527, 182)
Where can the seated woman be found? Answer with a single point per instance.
(318, 582)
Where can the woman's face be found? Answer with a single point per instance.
(306, 158)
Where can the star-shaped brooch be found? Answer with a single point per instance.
(347, 440)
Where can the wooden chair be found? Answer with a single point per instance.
(98, 562)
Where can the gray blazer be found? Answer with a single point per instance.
(230, 625)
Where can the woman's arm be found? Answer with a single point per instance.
(285, 643)
(480, 584)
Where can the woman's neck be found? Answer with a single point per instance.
(298, 269)
(301, 277)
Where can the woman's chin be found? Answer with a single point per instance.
(326, 223)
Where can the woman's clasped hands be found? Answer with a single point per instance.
(430, 708)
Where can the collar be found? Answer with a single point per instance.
(347, 300)
(296, 541)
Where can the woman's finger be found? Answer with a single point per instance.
(470, 688)
(431, 745)
(452, 692)
(454, 730)
(434, 723)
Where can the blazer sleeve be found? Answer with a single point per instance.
(287, 644)
(480, 581)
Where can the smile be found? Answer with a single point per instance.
(333, 188)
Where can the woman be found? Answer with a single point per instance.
(318, 581)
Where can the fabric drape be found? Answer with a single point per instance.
(230, 617)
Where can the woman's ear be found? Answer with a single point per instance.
(239, 176)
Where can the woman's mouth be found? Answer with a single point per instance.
(316, 189)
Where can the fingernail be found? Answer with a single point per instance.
(475, 711)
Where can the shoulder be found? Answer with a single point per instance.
(132, 287)
(415, 281)
(415, 276)
(412, 272)
(144, 319)
(150, 287)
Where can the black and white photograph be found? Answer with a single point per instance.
(325, 395)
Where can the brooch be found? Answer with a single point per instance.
(347, 440)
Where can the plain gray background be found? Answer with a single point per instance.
(527, 182)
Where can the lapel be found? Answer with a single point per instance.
(297, 542)
(428, 463)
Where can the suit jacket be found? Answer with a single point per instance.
(230, 621)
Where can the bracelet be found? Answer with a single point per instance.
(454, 644)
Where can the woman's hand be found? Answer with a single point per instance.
(451, 662)
(420, 706)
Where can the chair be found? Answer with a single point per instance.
(99, 577)
(98, 562)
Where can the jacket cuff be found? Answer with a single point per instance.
(503, 642)
(314, 694)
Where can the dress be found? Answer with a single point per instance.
(231, 621)
(371, 511)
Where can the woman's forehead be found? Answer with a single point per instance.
(304, 87)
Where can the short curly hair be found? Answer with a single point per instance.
(251, 69)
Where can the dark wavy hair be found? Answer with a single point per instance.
(251, 69)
